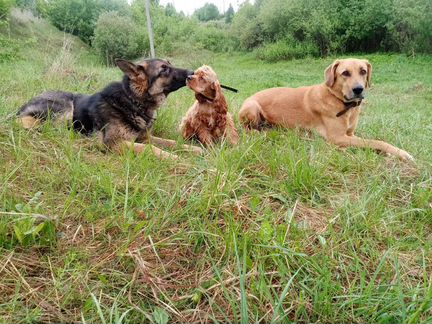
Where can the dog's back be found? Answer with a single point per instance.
(278, 106)
(54, 104)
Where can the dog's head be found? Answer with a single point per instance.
(204, 82)
(153, 76)
(348, 78)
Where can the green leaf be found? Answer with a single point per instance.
(160, 316)
(19, 207)
(39, 228)
(322, 240)
(103, 279)
(266, 232)
(254, 202)
(19, 234)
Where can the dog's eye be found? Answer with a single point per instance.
(346, 73)
(362, 72)
(165, 69)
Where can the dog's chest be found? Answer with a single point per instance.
(208, 116)
(158, 99)
(144, 120)
(352, 117)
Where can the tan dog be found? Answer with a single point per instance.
(208, 120)
(331, 108)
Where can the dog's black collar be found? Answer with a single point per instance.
(348, 106)
(205, 97)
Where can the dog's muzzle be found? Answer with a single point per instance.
(355, 98)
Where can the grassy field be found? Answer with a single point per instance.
(283, 227)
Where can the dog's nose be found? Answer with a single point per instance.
(189, 77)
(358, 90)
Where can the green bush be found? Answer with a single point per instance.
(77, 17)
(335, 26)
(214, 39)
(207, 12)
(410, 26)
(37, 7)
(5, 7)
(283, 28)
(117, 36)
(247, 28)
(286, 50)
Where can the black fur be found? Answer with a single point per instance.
(119, 110)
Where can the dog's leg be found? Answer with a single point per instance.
(232, 136)
(205, 137)
(170, 143)
(375, 144)
(29, 122)
(231, 132)
(250, 114)
(140, 147)
(353, 121)
(335, 131)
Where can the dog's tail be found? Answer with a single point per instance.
(58, 105)
(250, 115)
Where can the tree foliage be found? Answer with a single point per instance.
(79, 17)
(5, 7)
(207, 12)
(336, 26)
(275, 29)
(229, 14)
(117, 36)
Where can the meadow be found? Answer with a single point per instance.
(282, 228)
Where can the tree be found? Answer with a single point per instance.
(117, 36)
(207, 12)
(170, 10)
(5, 7)
(121, 6)
(229, 14)
(77, 17)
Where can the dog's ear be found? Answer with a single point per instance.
(128, 68)
(216, 89)
(330, 73)
(219, 101)
(369, 74)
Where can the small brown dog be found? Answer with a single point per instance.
(331, 108)
(208, 120)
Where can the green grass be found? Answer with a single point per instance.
(283, 227)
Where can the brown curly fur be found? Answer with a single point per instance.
(208, 120)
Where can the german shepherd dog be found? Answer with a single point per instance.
(123, 113)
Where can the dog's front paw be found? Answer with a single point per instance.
(404, 155)
(196, 150)
(167, 156)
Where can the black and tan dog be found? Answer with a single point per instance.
(123, 113)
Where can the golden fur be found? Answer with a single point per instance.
(316, 107)
(208, 120)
